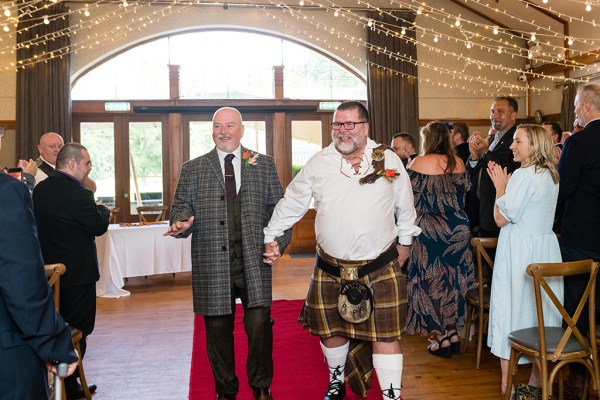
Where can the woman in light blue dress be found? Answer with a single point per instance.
(524, 210)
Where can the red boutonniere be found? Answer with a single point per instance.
(389, 174)
(249, 157)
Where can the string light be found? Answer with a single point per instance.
(86, 12)
(301, 3)
(336, 13)
(436, 38)
(7, 12)
(457, 22)
(5, 28)
(495, 30)
(137, 24)
(403, 31)
(588, 6)
(533, 37)
(46, 20)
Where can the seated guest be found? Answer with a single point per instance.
(436, 295)
(460, 137)
(50, 145)
(524, 207)
(33, 335)
(404, 145)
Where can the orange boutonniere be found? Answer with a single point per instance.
(249, 157)
(389, 174)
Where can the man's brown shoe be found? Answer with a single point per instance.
(262, 394)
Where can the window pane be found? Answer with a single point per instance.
(99, 139)
(140, 73)
(205, 74)
(201, 141)
(145, 158)
(309, 75)
(306, 141)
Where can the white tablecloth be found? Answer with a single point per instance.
(138, 251)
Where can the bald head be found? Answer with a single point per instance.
(50, 145)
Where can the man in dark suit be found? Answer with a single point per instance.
(460, 138)
(578, 200)
(482, 196)
(225, 198)
(32, 335)
(68, 221)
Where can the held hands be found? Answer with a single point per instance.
(403, 253)
(271, 253)
(499, 177)
(179, 226)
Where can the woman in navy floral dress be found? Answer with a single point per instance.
(440, 269)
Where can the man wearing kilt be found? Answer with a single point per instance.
(364, 228)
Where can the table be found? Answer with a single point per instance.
(138, 251)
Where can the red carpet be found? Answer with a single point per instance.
(300, 371)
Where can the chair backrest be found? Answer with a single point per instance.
(159, 212)
(540, 272)
(53, 273)
(481, 246)
(113, 215)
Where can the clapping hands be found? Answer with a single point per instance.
(498, 175)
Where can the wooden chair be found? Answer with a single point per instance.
(158, 211)
(478, 300)
(560, 345)
(53, 273)
(113, 215)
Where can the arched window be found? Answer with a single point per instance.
(219, 64)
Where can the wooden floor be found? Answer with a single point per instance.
(142, 344)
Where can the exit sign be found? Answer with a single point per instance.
(329, 105)
(117, 106)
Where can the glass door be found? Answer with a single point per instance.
(129, 160)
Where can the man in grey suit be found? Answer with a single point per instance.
(225, 198)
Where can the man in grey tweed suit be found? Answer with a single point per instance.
(226, 217)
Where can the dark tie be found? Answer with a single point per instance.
(229, 177)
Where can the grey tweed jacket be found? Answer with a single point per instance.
(201, 193)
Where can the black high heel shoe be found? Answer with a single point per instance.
(455, 346)
(445, 352)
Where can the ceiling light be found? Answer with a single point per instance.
(436, 38)
(457, 23)
(570, 41)
(420, 10)
(46, 20)
(495, 30)
(370, 23)
(533, 37)
(5, 28)
(301, 3)
(7, 11)
(499, 50)
(469, 44)
(403, 31)
(588, 6)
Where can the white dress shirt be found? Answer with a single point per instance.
(354, 222)
(41, 175)
(237, 165)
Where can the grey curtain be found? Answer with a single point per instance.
(393, 98)
(43, 88)
(567, 110)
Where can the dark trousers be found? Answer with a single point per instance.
(220, 343)
(574, 288)
(78, 309)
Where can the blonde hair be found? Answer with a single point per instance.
(542, 150)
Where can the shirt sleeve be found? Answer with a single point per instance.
(292, 206)
(404, 206)
(518, 191)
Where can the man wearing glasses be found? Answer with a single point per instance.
(364, 228)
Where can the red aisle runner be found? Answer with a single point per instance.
(300, 372)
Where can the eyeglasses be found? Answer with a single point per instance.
(336, 126)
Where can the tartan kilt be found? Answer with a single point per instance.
(388, 319)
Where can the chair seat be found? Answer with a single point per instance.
(529, 337)
(473, 295)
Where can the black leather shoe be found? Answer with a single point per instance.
(335, 391)
(226, 397)
(78, 394)
(262, 394)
